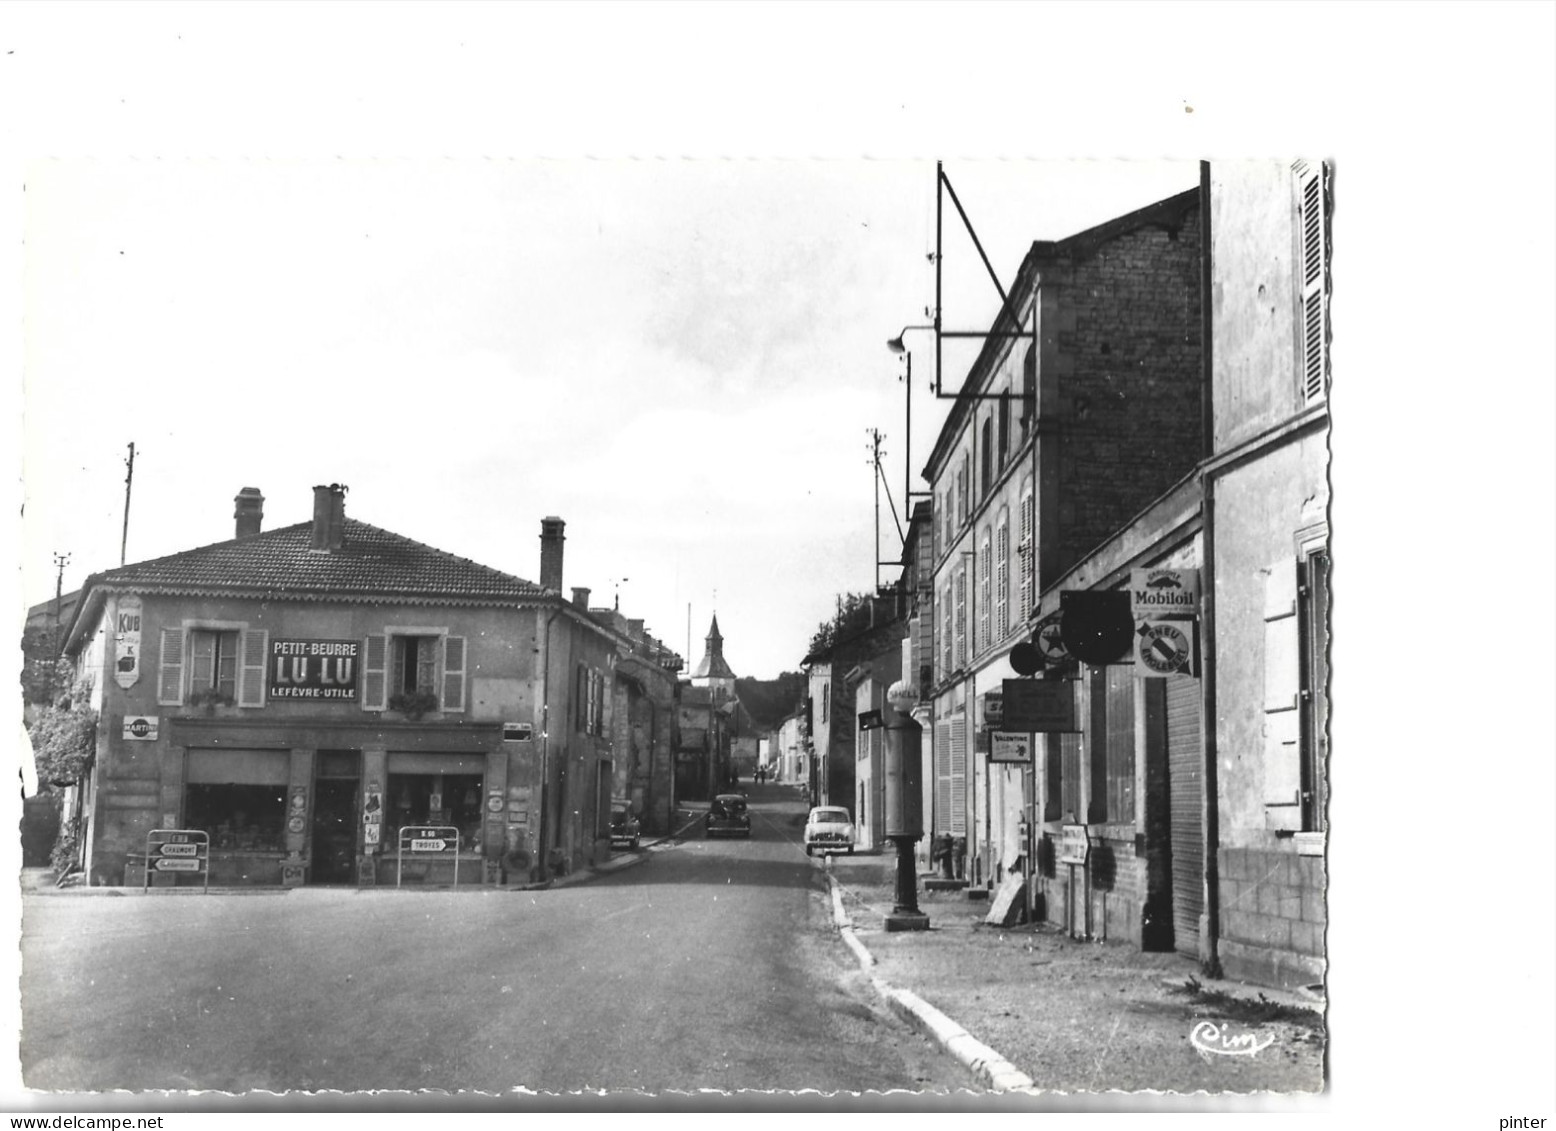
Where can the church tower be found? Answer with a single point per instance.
(714, 672)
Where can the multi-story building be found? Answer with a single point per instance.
(1267, 568)
(304, 694)
(1083, 405)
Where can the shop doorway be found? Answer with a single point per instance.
(336, 802)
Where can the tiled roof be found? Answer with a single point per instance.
(372, 564)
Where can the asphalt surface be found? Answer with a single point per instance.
(711, 965)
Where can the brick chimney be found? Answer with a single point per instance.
(329, 518)
(581, 598)
(551, 539)
(249, 511)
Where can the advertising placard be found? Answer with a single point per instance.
(140, 728)
(1165, 647)
(1163, 592)
(313, 669)
(126, 641)
(1010, 748)
(1074, 845)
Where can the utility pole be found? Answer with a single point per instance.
(60, 562)
(129, 477)
(875, 464)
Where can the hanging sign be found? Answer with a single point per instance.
(313, 669)
(1011, 748)
(1043, 706)
(126, 641)
(1163, 592)
(1164, 648)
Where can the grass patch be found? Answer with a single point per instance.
(1259, 1010)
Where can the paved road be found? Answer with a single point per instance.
(709, 966)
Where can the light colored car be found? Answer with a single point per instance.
(829, 829)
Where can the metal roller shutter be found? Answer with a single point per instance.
(1185, 769)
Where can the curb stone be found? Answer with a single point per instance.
(984, 1062)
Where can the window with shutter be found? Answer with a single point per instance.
(170, 668)
(1282, 718)
(1002, 579)
(213, 662)
(1004, 428)
(1028, 391)
(985, 590)
(942, 759)
(1313, 263)
(1313, 625)
(986, 456)
(948, 638)
(251, 687)
(1028, 555)
(453, 673)
(957, 822)
(961, 618)
(374, 673)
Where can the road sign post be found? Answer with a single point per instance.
(178, 850)
(428, 840)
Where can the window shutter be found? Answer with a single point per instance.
(1282, 683)
(1002, 583)
(942, 757)
(1028, 557)
(453, 673)
(958, 811)
(961, 618)
(984, 591)
(251, 675)
(374, 664)
(170, 670)
(1312, 238)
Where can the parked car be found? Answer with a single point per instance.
(727, 816)
(829, 829)
(624, 826)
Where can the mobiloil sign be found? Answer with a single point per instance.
(1165, 603)
(1157, 593)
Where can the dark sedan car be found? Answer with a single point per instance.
(727, 816)
(624, 826)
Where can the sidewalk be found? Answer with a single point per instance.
(1028, 1006)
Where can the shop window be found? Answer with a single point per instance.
(451, 800)
(239, 818)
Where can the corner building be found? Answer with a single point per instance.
(304, 694)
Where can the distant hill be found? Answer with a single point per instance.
(770, 701)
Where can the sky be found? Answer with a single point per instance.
(683, 358)
(635, 265)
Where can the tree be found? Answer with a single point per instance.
(853, 616)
